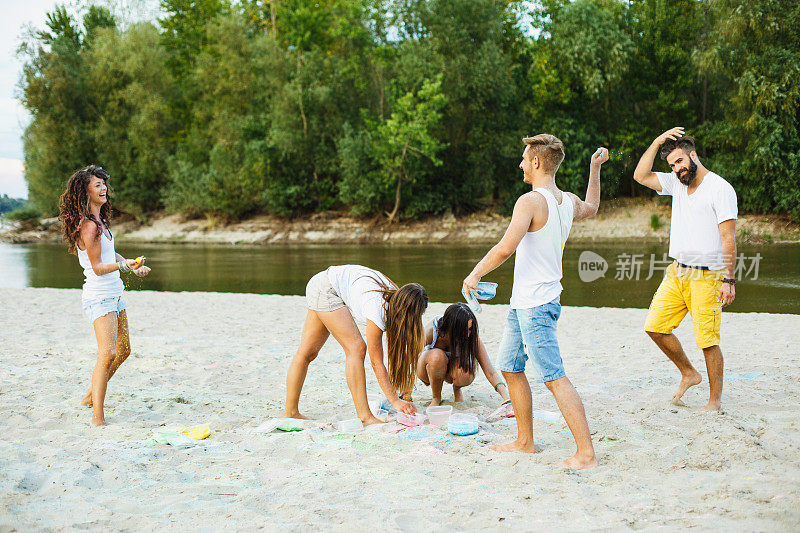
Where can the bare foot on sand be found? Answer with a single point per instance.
(714, 407)
(372, 420)
(87, 400)
(516, 446)
(295, 414)
(458, 396)
(98, 422)
(686, 381)
(580, 462)
(435, 402)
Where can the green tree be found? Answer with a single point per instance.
(57, 92)
(478, 48)
(330, 72)
(402, 146)
(225, 159)
(754, 139)
(134, 135)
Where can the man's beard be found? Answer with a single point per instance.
(691, 173)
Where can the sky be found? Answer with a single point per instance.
(13, 118)
(17, 16)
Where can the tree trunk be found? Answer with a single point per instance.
(300, 98)
(273, 14)
(399, 185)
(396, 197)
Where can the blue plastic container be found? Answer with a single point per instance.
(463, 424)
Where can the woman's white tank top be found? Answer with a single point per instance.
(537, 265)
(105, 286)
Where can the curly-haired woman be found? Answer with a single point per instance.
(84, 213)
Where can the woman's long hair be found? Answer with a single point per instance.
(74, 208)
(463, 337)
(405, 336)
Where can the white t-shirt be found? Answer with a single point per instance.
(355, 285)
(694, 237)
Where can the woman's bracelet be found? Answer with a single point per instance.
(498, 384)
(123, 267)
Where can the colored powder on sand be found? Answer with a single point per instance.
(749, 375)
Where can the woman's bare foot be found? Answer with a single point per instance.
(435, 402)
(372, 420)
(98, 421)
(686, 381)
(295, 414)
(713, 407)
(87, 400)
(458, 396)
(516, 446)
(580, 462)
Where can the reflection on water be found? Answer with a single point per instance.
(286, 269)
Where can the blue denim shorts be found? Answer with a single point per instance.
(98, 307)
(531, 334)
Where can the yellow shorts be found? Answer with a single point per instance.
(688, 290)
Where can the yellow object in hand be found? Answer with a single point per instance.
(140, 259)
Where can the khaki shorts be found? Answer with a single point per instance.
(320, 295)
(688, 290)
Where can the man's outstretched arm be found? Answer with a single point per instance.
(521, 220)
(588, 208)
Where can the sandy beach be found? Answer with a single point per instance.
(221, 359)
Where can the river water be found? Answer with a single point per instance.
(770, 277)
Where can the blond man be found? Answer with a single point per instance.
(539, 228)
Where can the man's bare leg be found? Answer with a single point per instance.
(574, 414)
(714, 365)
(671, 346)
(520, 391)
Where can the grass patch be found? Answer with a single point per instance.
(655, 222)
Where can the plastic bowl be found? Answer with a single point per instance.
(486, 290)
(350, 426)
(463, 424)
(382, 415)
(438, 414)
(410, 420)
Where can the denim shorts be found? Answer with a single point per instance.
(95, 308)
(531, 334)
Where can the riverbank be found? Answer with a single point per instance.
(220, 359)
(637, 219)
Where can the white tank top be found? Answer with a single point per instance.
(105, 286)
(537, 265)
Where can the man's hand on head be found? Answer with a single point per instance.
(674, 134)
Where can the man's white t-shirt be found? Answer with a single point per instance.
(356, 286)
(694, 237)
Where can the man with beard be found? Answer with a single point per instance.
(702, 242)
